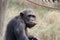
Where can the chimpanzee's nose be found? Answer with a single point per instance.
(32, 20)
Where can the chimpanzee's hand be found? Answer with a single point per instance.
(32, 38)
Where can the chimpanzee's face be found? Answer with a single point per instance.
(30, 18)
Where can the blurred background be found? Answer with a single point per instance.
(48, 27)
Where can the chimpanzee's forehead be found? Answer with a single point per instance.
(29, 12)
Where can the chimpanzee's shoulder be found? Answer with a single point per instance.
(13, 20)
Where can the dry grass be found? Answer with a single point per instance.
(48, 27)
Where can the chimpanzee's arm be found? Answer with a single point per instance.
(19, 32)
(30, 37)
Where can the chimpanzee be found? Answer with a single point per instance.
(17, 27)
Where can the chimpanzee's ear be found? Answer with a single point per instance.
(21, 14)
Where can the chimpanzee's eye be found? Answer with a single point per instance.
(31, 16)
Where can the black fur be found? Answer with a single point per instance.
(17, 27)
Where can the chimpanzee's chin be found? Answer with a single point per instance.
(29, 27)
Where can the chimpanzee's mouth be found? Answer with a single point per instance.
(31, 25)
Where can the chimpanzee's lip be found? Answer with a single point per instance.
(34, 23)
(31, 24)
